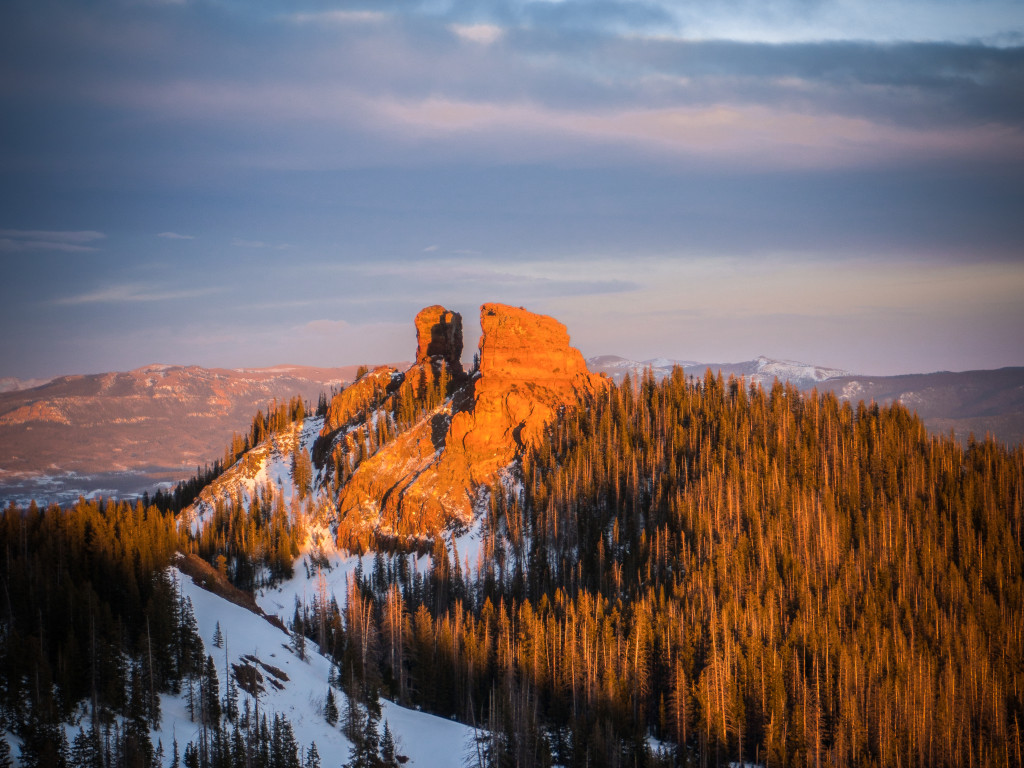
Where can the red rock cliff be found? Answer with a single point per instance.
(429, 473)
(528, 372)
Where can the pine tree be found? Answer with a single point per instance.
(218, 637)
(85, 750)
(388, 753)
(312, 757)
(331, 708)
(211, 690)
(371, 736)
(230, 691)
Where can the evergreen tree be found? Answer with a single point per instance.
(86, 750)
(388, 753)
(211, 692)
(330, 708)
(312, 757)
(230, 691)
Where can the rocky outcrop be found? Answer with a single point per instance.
(528, 373)
(355, 401)
(428, 475)
(439, 334)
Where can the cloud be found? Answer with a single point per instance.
(520, 280)
(750, 135)
(338, 103)
(241, 243)
(175, 236)
(13, 240)
(133, 293)
(431, 248)
(338, 17)
(485, 34)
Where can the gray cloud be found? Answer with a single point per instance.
(565, 80)
(242, 243)
(134, 293)
(13, 240)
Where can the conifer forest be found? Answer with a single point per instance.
(686, 572)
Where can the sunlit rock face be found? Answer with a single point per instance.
(439, 334)
(528, 373)
(428, 474)
(362, 397)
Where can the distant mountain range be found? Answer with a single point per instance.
(967, 402)
(124, 432)
(762, 371)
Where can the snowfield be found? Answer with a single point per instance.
(427, 740)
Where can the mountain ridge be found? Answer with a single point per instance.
(976, 402)
(612, 536)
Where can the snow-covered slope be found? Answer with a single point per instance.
(425, 739)
(428, 741)
(269, 463)
(800, 374)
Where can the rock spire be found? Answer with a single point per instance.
(439, 334)
(428, 474)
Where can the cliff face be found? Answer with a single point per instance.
(427, 473)
(528, 373)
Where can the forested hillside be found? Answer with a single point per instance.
(745, 574)
(687, 572)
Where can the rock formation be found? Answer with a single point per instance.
(359, 398)
(528, 372)
(428, 474)
(439, 334)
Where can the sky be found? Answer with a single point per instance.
(234, 184)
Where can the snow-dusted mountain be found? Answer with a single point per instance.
(387, 545)
(296, 675)
(763, 370)
(12, 384)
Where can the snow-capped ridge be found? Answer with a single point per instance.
(762, 370)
